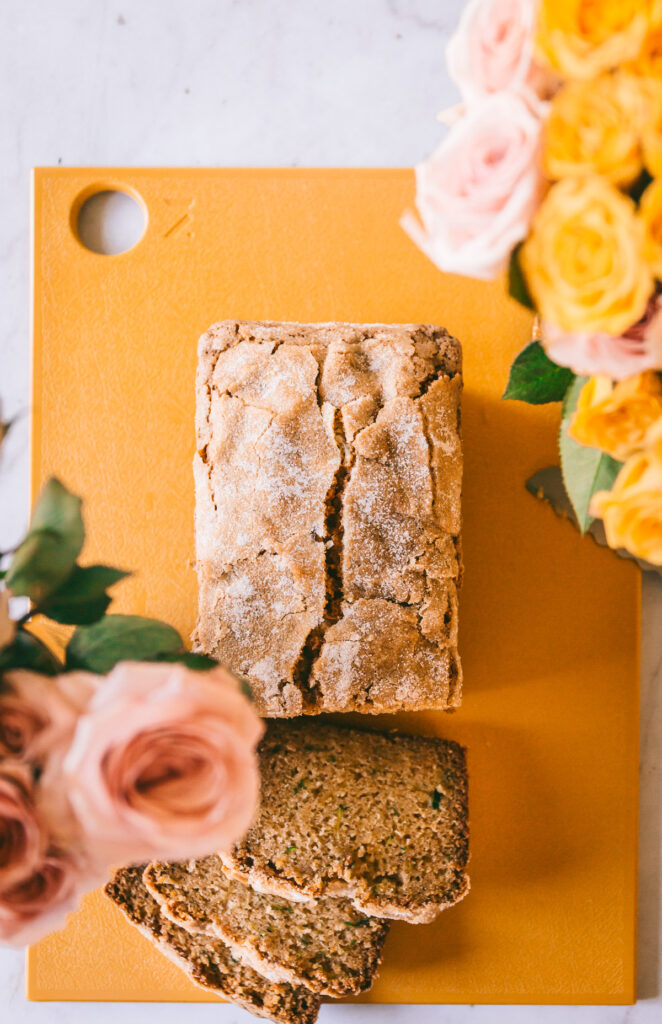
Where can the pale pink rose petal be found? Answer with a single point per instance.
(492, 48)
(38, 712)
(163, 764)
(598, 354)
(40, 903)
(23, 839)
(478, 191)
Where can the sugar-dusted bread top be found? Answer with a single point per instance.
(328, 945)
(379, 818)
(209, 963)
(328, 477)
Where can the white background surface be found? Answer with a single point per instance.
(264, 82)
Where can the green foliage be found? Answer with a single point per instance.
(517, 286)
(82, 598)
(49, 552)
(98, 648)
(535, 379)
(45, 569)
(585, 470)
(27, 651)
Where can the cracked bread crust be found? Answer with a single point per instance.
(381, 819)
(328, 479)
(209, 963)
(328, 946)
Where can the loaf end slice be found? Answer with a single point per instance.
(209, 963)
(380, 819)
(326, 945)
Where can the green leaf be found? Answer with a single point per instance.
(534, 378)
(99, 647)
(585, 470)
(199, 662)
(517, 286)
(48, 554)
(638, 188)
(27, 651)
(82, 598)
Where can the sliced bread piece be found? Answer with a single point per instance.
(328, 946)
(209, 963)
(378, 818)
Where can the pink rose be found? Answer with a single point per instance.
(23, 840)
(492, 48)
(590, 355)
(40, 903)
(477, 193)
(163, 764)
(38, 713)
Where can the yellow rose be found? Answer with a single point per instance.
(648, 63)
(582, 38)
(591, 128)
(651, 125)
(616, 418)
(632, 510)
(650, 210)
(583, 259)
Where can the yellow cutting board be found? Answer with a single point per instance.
(549, 622)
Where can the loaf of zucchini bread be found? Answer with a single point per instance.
(328, 476)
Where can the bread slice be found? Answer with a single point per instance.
(328, 946)
(328, 480)
(209, 963)
(378, 818)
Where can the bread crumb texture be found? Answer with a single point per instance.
(209, 963)
(381, 819)
(328, 946)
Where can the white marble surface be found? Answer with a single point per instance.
(270, 82)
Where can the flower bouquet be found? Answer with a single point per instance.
(116, 747)
(551, 170)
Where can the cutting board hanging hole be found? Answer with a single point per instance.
(110, 222)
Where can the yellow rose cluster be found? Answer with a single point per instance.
(593, 255)
(632, 510)
(617, 417)
(578, 221)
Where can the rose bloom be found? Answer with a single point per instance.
(477, 193)
(650, 209)
(648, 62)
(583, 260)
(592, 127)
(23, 839)
(617, 417)
(39, 904)
(38, 712)
(492, 47)
(632, 510)
(582, 38)
(591, 354)
(163, 764)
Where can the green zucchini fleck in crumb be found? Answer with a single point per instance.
(291, 848)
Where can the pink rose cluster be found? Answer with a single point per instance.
(151, 761)
(477, 193)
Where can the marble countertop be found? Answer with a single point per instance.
(246, 82)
